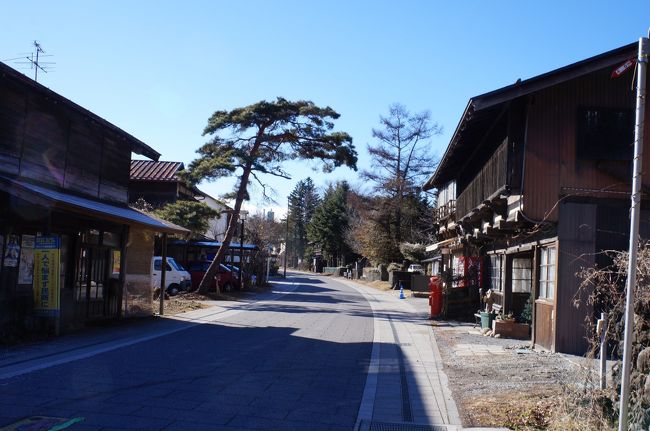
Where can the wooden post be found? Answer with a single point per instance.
(163, 272)
(122, 277)
(601, 329)
(534, 292)
(507, 287)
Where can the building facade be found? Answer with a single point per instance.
(159, 183)
(534, 186)
(71, 250)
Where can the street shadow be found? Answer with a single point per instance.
(251, 371)
(220, 375)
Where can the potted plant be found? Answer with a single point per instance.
(508, 327)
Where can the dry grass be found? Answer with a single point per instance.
(547, 408)
(379, 285)
(530, 410)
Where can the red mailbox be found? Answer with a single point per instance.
(435, 296)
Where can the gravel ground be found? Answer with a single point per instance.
(498, 382)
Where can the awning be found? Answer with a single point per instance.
(214, 244)
(71, 203)
(436, 246)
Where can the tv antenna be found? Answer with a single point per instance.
(34, 60)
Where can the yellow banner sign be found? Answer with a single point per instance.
(47, 275)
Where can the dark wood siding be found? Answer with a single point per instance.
(83, 160)
(114, 172)
(13, 107)
(53, 144)
(551, 166)
(576, 250)
(44, 145)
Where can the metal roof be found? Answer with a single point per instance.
(137, 146)
(147, 170)
(102, 210)
(484, 108)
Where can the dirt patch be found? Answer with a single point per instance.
(193, 301)
(180, 304)
(504, 383)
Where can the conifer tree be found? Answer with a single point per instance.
(329, 224)
(303, 201)
(256, 140)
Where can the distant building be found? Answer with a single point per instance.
(158, 183)
(270, 216)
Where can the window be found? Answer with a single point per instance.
(547, 273)
(522, 274)
(605, 134)
(496, 272)
(157, 265)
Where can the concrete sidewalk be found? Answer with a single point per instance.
(22, 359)
(406, 385)
(406, 388)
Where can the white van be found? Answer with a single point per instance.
(177, 279)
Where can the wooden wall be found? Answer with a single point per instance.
(154, 192)
(576, 250)
(550, 161)
(45, 141)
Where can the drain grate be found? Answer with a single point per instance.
(387, 426)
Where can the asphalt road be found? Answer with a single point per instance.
(296, 362)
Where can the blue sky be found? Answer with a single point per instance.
(158, 69)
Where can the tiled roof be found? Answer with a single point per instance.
(147, 170)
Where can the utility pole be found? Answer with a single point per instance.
(635, 212)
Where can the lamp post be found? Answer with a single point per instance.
(242, 217)
(286, 242)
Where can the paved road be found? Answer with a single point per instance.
(316, 354)
(298, 361)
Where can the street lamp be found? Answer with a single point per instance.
(286, 241)
(242, 217)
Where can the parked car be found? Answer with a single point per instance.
(415, 268)
(228, 278)
(177, 279)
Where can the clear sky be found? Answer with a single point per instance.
(158, 69)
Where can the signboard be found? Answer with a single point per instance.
(12, 251)
(620, 70)
(46, 275)
(26, 267)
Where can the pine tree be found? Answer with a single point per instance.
(329, 225)
(303, 201)
(256, 140)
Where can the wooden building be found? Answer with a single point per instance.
(159, 183)
(535, 183)
(64, 176)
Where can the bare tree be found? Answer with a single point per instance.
(401, 160)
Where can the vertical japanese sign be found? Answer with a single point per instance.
(46, 275)
(26, 266)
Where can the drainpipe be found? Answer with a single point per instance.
(635, 212)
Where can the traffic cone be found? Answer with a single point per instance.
(401, 292)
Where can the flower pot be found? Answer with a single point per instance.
(511, 329)
(487, 319)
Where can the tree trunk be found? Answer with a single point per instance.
(232, 225)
